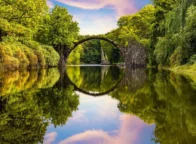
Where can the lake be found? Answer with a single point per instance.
(97, 105)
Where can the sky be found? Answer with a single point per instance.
(99, 16)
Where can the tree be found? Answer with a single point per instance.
(91, 52)
(25, 12)
(61, 31)
(137, 26)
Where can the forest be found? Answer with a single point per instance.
(32, 35)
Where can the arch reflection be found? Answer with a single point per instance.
(95, 80)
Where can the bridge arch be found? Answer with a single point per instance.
(98, 38)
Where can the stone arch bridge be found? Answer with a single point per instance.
(134, 54)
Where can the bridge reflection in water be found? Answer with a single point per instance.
(101, 80)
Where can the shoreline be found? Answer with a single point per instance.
(188, 71)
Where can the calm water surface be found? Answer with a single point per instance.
(97, 105)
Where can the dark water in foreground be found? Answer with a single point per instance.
(97, 105)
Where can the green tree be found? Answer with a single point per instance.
(91, 52)
(137, 26)
(60, 31)
(25, 12)
(175, 45)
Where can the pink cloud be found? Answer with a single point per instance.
(128, 134)
(50, 137)
(122, 7)
(50, 4)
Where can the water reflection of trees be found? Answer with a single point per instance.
(13, 82)
(26, 110)
(168, 100)
(30, 101)
(95, 79)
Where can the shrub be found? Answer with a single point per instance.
(31, 57)
(14, 29)
(38, 51)
(7, 60)
(50, 55)
(192, 59)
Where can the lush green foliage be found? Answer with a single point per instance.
(136, 27)
(29, 54)
(175, 45)
(113, 53)
(75, 56)
(23, 23)
(91, 52)
(25, 12)
(59, 30)
(167, 30)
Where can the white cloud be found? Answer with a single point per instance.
(98, 24)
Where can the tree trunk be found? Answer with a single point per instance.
(61, 63)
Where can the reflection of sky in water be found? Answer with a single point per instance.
(99, 121)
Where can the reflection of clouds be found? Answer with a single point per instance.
(107, 109)
(49, 138)
(128, 134)
(79, 116)
(104, 107)
(90, 137)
